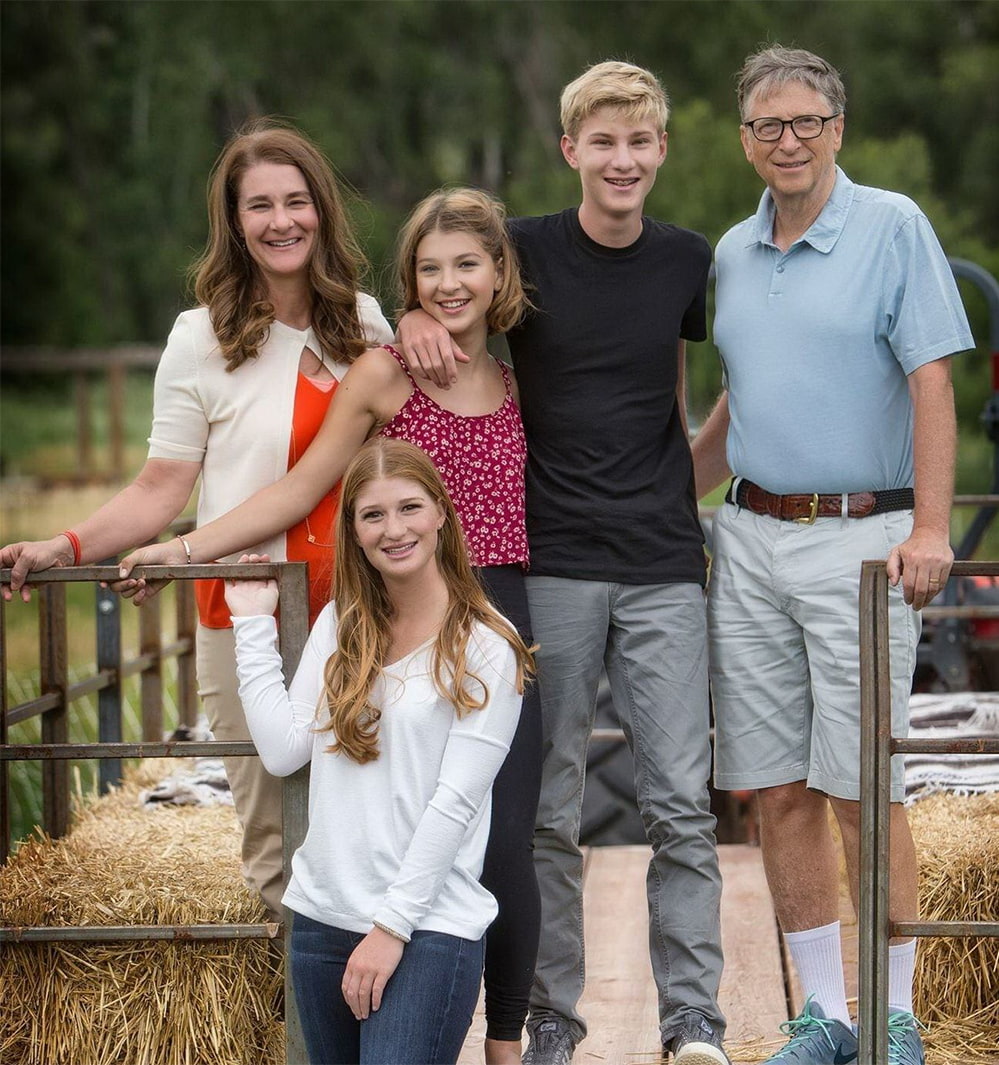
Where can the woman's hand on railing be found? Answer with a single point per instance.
(250, 598)
(29, 556)
(138, 589)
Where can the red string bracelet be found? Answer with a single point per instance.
(74, 541)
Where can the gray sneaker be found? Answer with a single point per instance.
(696, 1043)
(905, 1047)
(549, 1041)
(815, 1040)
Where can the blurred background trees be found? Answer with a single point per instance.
(113, 112)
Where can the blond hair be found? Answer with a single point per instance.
(464, 210)
(227, 280)
(364, 610)
(633, 91)
(772, 68)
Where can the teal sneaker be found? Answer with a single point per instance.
(815, 1039)
(905, 1046)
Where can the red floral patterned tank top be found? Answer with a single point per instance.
(481, 460)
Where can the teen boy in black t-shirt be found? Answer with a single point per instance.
(609, 452)
(617, 564)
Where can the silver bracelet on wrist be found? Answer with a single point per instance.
(390, 931)
(187, 548)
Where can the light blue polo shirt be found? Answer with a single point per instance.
(816, 342)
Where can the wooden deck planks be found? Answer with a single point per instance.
(620, 1002)
(752, 994)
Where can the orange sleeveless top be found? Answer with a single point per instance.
(310, 540)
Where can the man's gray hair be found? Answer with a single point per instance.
(772, 68)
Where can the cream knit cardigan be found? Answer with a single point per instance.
(236, 425)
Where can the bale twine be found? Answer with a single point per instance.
(957, 980)
(137, 1003)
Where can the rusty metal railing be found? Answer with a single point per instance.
(56, 694)
(293, 591)
(876, 750)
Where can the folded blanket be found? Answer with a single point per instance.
(961, 715)
(204, 783)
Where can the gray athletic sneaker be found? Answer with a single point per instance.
(549, 1041)
(905, 1047)
(696, 1043)
(815, 1040)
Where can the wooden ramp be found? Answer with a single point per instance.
(620, 998)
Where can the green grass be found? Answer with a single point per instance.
(38, 424)
(22, 627)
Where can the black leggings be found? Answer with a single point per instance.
(508, 869)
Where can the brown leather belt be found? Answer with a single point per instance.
(804, 509)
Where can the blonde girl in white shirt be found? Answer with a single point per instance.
(405, 702)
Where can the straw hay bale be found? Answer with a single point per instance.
(137, 1003)
(957, 980)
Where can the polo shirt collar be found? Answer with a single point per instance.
(823, 232)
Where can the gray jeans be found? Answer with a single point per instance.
(653, 643)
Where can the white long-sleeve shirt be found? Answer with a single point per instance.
(398, 841)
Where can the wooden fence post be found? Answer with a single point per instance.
(294, 631)
(116, 419)
(84, 436)
(4, 771)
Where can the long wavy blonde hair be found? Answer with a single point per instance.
(226, 279)
(364, 611)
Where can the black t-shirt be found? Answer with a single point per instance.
(610, 488)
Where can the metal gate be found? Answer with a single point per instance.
(291, 578)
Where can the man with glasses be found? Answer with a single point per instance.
(836, 316)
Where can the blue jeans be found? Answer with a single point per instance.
(426, 1008)
(652, 640)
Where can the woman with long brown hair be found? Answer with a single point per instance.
(405, 703)
(241, 388)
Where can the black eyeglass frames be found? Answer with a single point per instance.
(804, 127)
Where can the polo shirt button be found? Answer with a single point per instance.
(780, 269)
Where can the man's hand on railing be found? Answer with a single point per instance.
(249, 598)
(922, 563)
(29, 556)
(138, 589)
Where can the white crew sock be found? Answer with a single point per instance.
(818, 956)
(901, 970)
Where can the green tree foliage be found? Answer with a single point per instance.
(112, 114)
